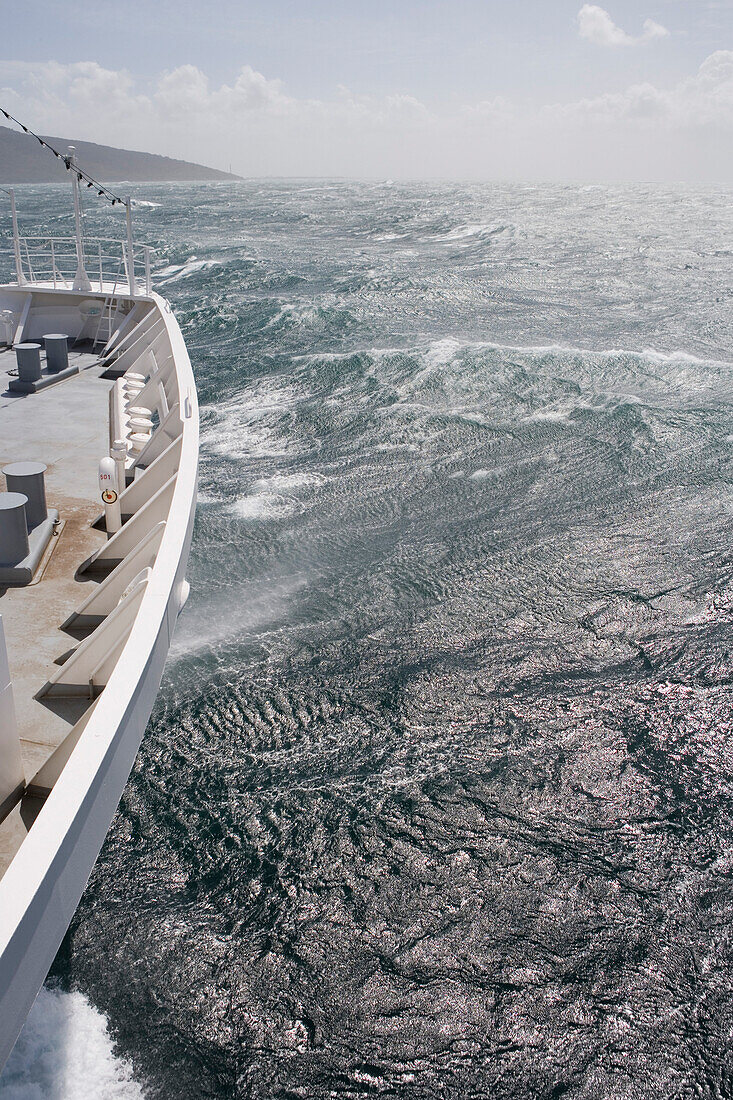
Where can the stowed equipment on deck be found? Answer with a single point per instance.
(26, 524)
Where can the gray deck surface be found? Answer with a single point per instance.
(65, 426)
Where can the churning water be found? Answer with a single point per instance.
(437, 797)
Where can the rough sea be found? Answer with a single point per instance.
(436, 800)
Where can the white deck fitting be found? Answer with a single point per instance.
(121, 661)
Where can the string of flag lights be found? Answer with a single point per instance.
(82, 176)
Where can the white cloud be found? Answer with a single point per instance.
(183, 90)
(682, 131)
(497, 108)
(704, 100)
(595, 24)
(186, 89)
(56, 89)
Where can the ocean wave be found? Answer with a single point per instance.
(275, 497)
(445, 350)
(293, 311)
(435, 798)
(254, 423)
(175, 272)
(472, 232)
(265, 506)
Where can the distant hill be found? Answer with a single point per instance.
(23, 160)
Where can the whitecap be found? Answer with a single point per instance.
(274, 497)
(176, 272)
(442, 352)
(294, 311)
(251, 424)
(289, 481)
(468, 232)
(264, 506)
(556, 414)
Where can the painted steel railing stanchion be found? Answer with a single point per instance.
(130, 247)
(31, 276)
(16, 239)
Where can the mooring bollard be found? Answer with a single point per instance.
(27, 478)
(28, 357)
(14, 545)
(57, 351)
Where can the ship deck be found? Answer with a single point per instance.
(56, 825)
(66, 427)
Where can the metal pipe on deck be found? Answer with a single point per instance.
(118, 453)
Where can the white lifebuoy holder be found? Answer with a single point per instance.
(90, 307)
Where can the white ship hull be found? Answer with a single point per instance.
(83, 780)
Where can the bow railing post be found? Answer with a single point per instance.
(16, 240)
(130, 247)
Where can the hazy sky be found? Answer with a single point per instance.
(400, 88)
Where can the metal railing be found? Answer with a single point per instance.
(102, 265)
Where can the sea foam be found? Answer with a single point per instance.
(65, 1052)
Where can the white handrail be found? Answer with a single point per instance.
(54, 261)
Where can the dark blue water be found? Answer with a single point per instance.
(437, 797)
